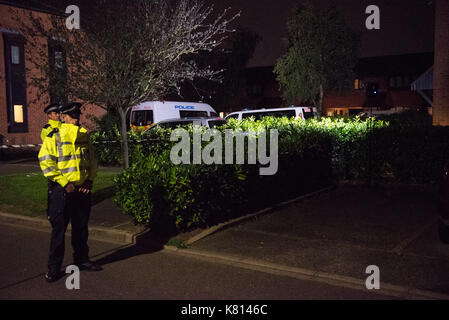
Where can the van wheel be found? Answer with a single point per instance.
(443, 232)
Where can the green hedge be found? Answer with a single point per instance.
(154, 190)
(108, 144)
(411, 153)
(311, 154)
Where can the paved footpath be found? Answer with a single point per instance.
(337, 235)
(143, 271)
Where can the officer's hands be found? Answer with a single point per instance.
(69, 188)
(86, 187)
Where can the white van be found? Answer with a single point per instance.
(289, 112)
(148, 113)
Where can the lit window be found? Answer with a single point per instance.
(18, 113)
(356, 84)
(15, 55)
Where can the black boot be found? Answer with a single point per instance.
(53, 274)
(89, 266)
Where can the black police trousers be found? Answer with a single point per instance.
(62, 208)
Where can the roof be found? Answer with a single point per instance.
(35, 5)
(413, 64)
(397, 65)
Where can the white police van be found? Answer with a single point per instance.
(289, 112)
(148, 113)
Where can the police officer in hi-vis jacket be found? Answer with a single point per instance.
(67, 160)
(52, 112)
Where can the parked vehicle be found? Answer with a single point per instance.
(210, 122)
(443, 206)
(146, 114)
(290, 112)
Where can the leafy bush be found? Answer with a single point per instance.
(410, 152)
(107, 142)
(153, 189)
(310, 154)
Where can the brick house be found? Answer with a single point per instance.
(383, 85)
(390, 77)
(441, 66)
(21, 110)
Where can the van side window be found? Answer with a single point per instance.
(249, 115)
(189, 113)
(235, 116)
(175, 124)
(308, 113)
(277, 114)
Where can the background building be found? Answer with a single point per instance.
(441, 66)
(383, 84)
(21, 105)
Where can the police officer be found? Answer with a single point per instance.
(52, 112)
(67, 159)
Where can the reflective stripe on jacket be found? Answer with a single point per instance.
(49, 127)
(67, 156)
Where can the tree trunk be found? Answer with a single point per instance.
(124, 134)
(320, 100)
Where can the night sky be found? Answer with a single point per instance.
(406, 25)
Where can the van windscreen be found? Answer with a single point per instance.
(189, 113)
(142, 117)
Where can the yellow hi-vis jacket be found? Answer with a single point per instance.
(49, 128)
(67, 156)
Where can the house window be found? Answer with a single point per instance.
(58, 71)
(15, 78)
(18, 113)
(15, 55)
(358, 84)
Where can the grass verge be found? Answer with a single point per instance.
(26, 193)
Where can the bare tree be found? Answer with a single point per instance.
(128, 53)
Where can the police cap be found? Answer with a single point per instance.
(54, 107)
(73, 109)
